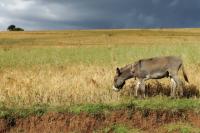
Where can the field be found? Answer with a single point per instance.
(54, 76)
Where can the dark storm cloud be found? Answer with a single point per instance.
(88, 14)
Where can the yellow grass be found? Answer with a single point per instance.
(67, 83)
(64, 85)
(57, 86)
(100, 37)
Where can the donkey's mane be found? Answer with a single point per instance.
(125, 68)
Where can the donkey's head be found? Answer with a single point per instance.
(121, 76)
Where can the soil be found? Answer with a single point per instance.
(146, 120)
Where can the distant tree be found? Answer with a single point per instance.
(11, 28)
(14, 28)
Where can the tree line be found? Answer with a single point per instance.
(14, 28)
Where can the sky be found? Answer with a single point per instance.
(99, 14)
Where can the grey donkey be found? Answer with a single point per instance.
(151, 68)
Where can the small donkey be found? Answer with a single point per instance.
(151, 68)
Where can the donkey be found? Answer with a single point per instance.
(151, 68)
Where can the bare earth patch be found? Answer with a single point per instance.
(146, 120)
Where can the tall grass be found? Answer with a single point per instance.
(56, 86)
(75, 84)
(74, 67)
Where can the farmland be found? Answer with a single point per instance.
(71, 72)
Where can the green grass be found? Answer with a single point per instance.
(165, 103)
(90, 108)
(124, 129)
(14, 112)
(157, 103)
(121, 55)
(118, 128)
(182, 128)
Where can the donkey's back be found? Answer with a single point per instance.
(170, 63)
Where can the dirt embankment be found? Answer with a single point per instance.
(146, 120)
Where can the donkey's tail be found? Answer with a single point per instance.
(184, 74)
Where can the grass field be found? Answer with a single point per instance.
(69, 68)
(72, 67)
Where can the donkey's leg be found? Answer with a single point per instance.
(181, 88)
(136, 88)
(179, 85)
(142, 85)
(173, 87)
(177, 82)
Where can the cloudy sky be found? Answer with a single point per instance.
(98, 14)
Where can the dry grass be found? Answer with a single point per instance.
(73, 85)
(78, 66)
(57, 86)
(99, 37)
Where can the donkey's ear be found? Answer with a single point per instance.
(132, 70)
(118, 71)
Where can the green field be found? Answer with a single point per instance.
(72, 67)
(72, 71)
(94, 55)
